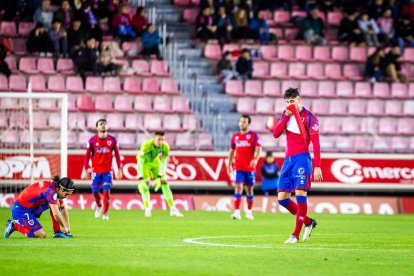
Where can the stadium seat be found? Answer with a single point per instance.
(303, 53)
(159, 68)
(281, 17)
(143, 104)
(333, 71)
(309, 89)
(3, 120)
(340, 53)
(286, 52)
(153, 122)
(84, 138)
(130, 48)
(190, 15)
(56, 83)
(334, 18)
(271, 88)
(40, 120)
(133, 122)
(141, 67)
(231, 48)
(327, 143)
(315, 71)
(9, 103)
(361, 144)
(162, 104)
(65, 66)
(338, 107)
(350, 126)
(259, 124)
(408, 55)
(289, 84)
(11, 61)
(344, 89)
(393, 108)
(353, 72)
(190, 122)
(268, 142)
(169, 86)
(115, 121)
(25, 28)
(9, 136)
(381, 90)
(279, 105)
(94, 84)
(54, 121)
(409, 108)
(185, 141)
(92, 119)
(357, 107)
(17, 83)
(297, 71)
(358, 54)
(74, 84)
(132, 85)
(253, 88)
(126, 141)
(112, 85)
(269, 52)
(265, 106)
(8, 29)
(24, 137)
(246, 106)
(19, 46)
(212, 51)
(388, 126)
(28, 65)
(18, 120)
(234, 88)
(72, 140)
(46, 104)
(291, 34)
(343, 143)
(123, 104)
(172, 122)
(261, 70)
(150, 85)
(330, 125)
(399, 90)
(72, 99)
(401, 144)
(320, 107)
(85, 103)
(322, 53)
(405, 126)
(76, 121)
(180, 105)
(4, 85)
(104, 103)
(326, 89)
(205, 142)
(363, 90)
(279, 70)
(46, 66)
(375, 108)
(38, 83)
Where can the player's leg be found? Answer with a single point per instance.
(96, 187)
(166, 192)
(106, 187)
(26, 223)
(249, 187)
(143, 188)
(285, 188)
(239, 180)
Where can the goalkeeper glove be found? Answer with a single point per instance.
(157, 183)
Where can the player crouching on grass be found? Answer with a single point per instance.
(151, 163)
(296, 173)
(33, 201)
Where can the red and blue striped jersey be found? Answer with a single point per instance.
(38, 194)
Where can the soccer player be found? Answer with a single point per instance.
(301, 127)
(151, 163)
(33, 201)
(245, 149)
(100, 148)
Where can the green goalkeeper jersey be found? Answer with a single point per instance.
(151, 155)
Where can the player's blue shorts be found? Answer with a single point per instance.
(246, 178)
(296, 173)
(27, 217)
(103, 180)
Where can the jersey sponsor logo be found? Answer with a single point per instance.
(301, 170)
(351, 172)
(242, 144)
(102, 150)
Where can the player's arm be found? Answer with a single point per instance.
(314, 137)
(58, 217)
(164, 159)
(231, 156)
(140, 161)
(118, 161)
(281, 124)
(257, 151)
(65, 214)
(85, 172)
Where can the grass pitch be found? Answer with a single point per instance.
(204, 243)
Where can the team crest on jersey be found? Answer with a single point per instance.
(301, 170)
(248, 136)
(237, 138)
(109, 142)
(55, 196)
(315, 127)
(31, 222)
(97, 144)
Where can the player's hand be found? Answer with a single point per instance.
(85, 174)
(118, 174)
(253, 163)
(230, 172)
(288, 112)
(317, 174)
(65, 230)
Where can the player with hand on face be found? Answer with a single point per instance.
(301, 127)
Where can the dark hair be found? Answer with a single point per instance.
(269, 154)
(291, 93)
(159, 133)
(140, 9)
(249, 119)
(39, 25)
(64, 183)
(149, 26)
(245, 50)
(100, 120)
(226, 53)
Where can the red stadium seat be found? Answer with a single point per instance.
(357, 108)
(330, 125)
(181, 105)
(9, 137)
(334, 18)
(381, 90)
(130, 49)
(54, 121)
(133, 122)
(46, 66)
(92, 119)
(159, 68)
(280, 105)
(40, 120)
(141, 67)
(126, 140)
(190, 15)
(353, 72)
(153, 122)
(289, 84)
(253, 88)
(143, 104)
(4, 85)
(234, 88)
(123, 104)
(169, 86)
(19, 46)
(18, 120)
(326, 89)
(399, 90)
(358, 54)
(172, 123)
(76, 121)
(84, 137)
(393, 108)
(85, 103)
(401, 144)
(344, 144)
(338, 107)
(162, 104)
(405, 126)
(388, 126)
(350, 126)
(271, 88)
(345, 89)
(190, 122)
(74, 84)
(185, 141)
(9, 103)
(340, 53)
(259, 124)
(286, 52)
(409, 108)
(261, 70)
(8, 28)
(361, 144)
(281, 17)
(150, 85)
(65, 66)
(104, 103)
(322, 53)
(132, 85)
(205, 141)
(265, 106)
(115, 121)
(269, 52)
(25, 28)
(46, 104)
(363, 90)
(408, 55)
(320, 107)
(309, 89)
(212, 51)
(28, 65)
(231, 48)
(375, 108)
(72, 140)
(38, 83)
(94, 84)
(279, 70)
(11, 61)
(17, 83)
(303, 53)
(72, 99)
(315, 71)
(49, 139)
(333, 71)
(291, 33)
(297, 71)
(245, 106)
(112, 85)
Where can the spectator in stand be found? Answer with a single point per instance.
(241, 24)
(206, 27)
(38, 41)
(376, 8)
(151, 42)
(349, 30)
(395, 7)
(91, 22)
(100, 8)
(208, 4)
(259, 28)
(244, 65)
(106, 61)
(374, 66)
(408, 9)
(23, 11)
(7, 10)
(121, 23)
(392, 65)
(273, 5)
(64, 15)
(369, 29)
(312, 29)
(76, 34)
(44, 15)
(404, 33)
(224, 26)
(77, 8)
(59, 39)
(270, 175)
(140, 21)
(4, 67)
(386, 26)
(85, 58)
(112, 9)
(225, 67)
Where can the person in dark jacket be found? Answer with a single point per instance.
(405, 33)
(225, 67)
(312, 29)
(76, 34)
(244, 65)
(85, 58)
(374, 66)
(140, 21)
(270, 175)
(150, 42)
(206, 27)
(4, 67)
(64, 15)
(349, 30)
(58, 36)
(38, 41)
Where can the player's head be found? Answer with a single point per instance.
(158, 138)
(292, 96)
(64, 186)
(101, 126)
(244, 122)
(269, 157)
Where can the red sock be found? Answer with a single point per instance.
(249, 199)
(97, 197)
(56, 225)
(301, 218)
(25, 231)
(292, 207)
(106, 196)
(237, 201)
